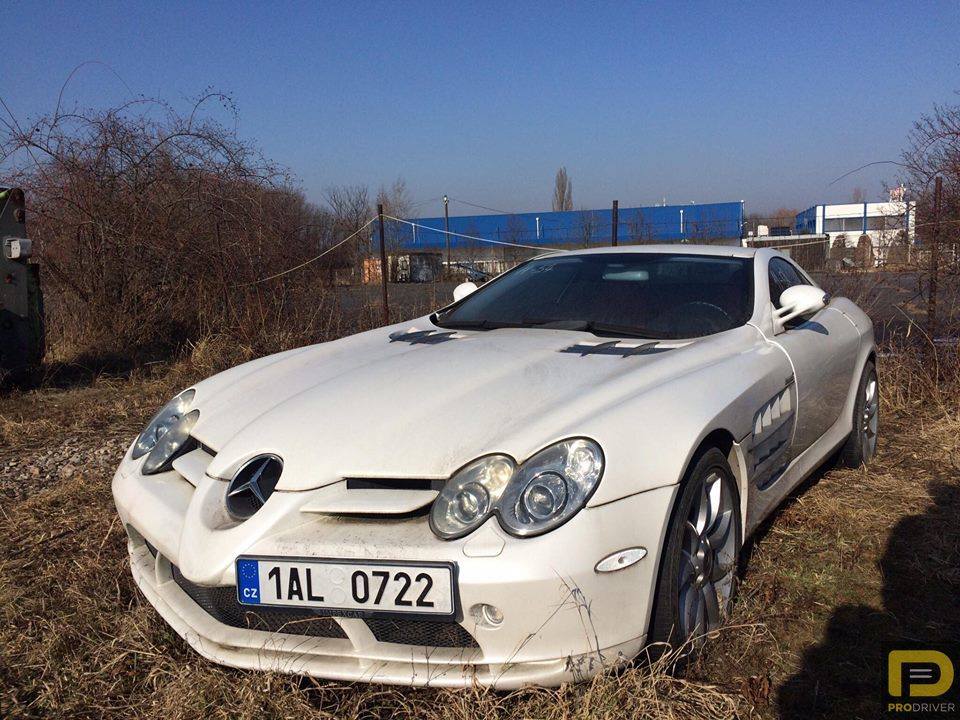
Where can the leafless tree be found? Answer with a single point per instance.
(784, 217)
(395, 199)
(396, 202)
(350, 208)
(350, 205)
(640, 229)
(515, 234)
(562, 191)
(156, 228)
(587, 225)
(934, 149)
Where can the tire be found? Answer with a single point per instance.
(861, 446)
(682, 608)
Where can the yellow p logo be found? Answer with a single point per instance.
(919, 673)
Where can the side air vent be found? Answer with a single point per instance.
(772, 431)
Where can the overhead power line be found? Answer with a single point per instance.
(468, 237)
(482, 207)
(313, 259)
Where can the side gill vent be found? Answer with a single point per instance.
(772, 431)
(771, 413)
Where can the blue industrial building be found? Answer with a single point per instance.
(708, 222)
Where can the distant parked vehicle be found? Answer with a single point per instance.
(415, 267)
(524, 487)
(21, 300)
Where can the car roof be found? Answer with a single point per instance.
(674, 248)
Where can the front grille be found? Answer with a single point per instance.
(393, 484)
(222, 605)
(429, 633)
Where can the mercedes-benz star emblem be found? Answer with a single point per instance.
(252, 485)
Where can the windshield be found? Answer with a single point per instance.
(654, 295)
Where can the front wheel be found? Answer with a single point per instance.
(861, 446)
(699, 562)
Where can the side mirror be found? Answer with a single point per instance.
(462, 290)
(800, 300)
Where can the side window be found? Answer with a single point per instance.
(782, 275)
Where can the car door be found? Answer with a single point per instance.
(823, 351)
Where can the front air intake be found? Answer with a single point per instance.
(222, 605)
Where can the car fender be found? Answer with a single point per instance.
(649, 440)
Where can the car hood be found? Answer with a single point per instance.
(416, 401)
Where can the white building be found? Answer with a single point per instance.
(883, 223)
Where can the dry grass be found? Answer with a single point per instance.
(844, 564)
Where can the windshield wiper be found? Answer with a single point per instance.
(599, 328)
(477, 324)
(591, 326)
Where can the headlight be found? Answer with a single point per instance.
(166, 434)
(470, 496)
(551, 487)
(544, 492)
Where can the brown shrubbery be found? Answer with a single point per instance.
(78, 640)
(155, 229)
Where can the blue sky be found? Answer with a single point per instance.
(765, 103)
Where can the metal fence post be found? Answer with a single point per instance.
(616, 221)
(934, 259)
(383, 265)
(446, 229)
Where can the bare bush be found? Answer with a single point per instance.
(155, 228)
(934, 150)
(588, 226)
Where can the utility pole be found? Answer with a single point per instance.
(446, 229)
(934, 259)
(616, 221)
(383, 265)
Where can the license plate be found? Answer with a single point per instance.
(347, 586)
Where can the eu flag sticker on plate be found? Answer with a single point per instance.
(248, 581)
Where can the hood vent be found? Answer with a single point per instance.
(619, 348)
(423, 337)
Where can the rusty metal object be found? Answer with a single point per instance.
(21, 299)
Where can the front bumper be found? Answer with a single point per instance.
(562, 621)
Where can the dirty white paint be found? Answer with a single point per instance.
(394, 405)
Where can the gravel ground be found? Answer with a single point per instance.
(22, 475)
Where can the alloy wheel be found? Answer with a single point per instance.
(707, 558)
(870, 419)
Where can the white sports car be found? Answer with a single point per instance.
(528, 485)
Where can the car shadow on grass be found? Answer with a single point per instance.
(841, 677)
